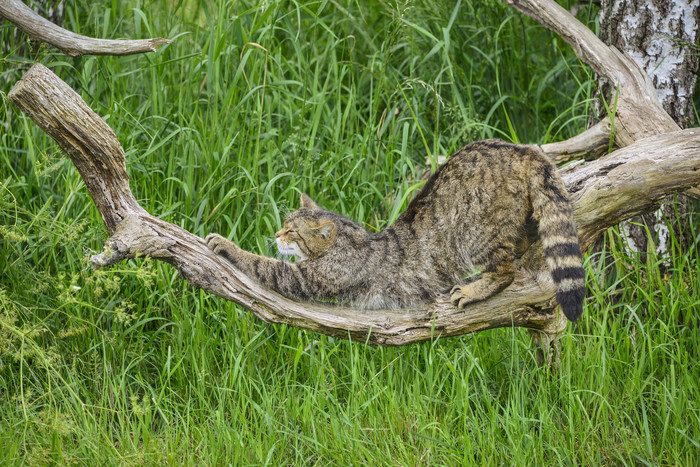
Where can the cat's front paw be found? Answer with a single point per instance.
(220, 245)
(461, 296)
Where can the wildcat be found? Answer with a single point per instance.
(475, 215)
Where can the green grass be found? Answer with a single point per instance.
(345, 101)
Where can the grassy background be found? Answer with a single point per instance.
(253, 104)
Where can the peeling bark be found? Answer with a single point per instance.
(658, 35)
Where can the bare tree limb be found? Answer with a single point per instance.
(69, 43)
(604, 192)
(84, 136)
(631, 180)
(637, 110)
(589, 145)
(656, 160)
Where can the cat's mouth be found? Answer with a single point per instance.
(289, 250)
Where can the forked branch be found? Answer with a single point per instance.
(604, 192)
(69, 43)
(638, 112)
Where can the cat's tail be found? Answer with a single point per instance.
(557, 229)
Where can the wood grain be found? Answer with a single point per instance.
(70, 43)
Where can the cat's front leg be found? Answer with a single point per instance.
(281, 277)
(250, 263)
(255, 266)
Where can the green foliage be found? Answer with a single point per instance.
(253, 104)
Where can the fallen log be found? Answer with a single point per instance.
(656, 159)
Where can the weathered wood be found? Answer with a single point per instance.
(84, 136)
(589, 145)
(623, 183)
(69, 43)
(656, 160)
(631, 180)
(637, 110)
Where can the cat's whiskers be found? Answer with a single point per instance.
(283, 257)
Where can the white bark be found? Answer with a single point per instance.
(658, 36)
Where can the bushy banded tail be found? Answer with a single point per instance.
(557, 229)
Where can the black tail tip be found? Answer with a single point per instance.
(572, 303)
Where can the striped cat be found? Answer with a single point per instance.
(479, 212)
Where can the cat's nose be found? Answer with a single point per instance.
(278, 233)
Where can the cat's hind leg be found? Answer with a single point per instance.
(497, 274)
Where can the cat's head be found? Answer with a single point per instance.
(308, 232)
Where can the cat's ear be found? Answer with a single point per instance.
(307, 202)
(326, 231)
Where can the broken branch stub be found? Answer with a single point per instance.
(604, 192)
(589, 145)
(68, 42)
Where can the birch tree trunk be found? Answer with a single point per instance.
(658, 35)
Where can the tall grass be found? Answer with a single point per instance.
(253, 104)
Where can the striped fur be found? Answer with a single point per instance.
(461, 234)
(559, 236)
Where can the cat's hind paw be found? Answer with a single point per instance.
(483, 287)
(461, 296)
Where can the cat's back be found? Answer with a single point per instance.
(482, 159)
(486, 180)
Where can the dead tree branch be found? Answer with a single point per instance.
(69, 43)
(626, 182)
(589, 145)
(656, 160)
(637, 110)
